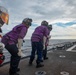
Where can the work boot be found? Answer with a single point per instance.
(30, 63)
(39, 65)
(11, 72)
(45, 58)
(18, 69)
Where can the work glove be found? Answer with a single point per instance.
(20, 53)
(43, 47)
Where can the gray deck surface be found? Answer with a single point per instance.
(58, 62)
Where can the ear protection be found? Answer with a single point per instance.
(27, 21)
(45, 23)
(50, 27)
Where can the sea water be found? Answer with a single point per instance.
(26, 47)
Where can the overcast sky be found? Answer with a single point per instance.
(60, 13)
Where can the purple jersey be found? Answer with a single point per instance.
(39, 33)
(17, 32)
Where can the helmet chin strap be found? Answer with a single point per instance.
(1, 25)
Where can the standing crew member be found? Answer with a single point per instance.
(37, 43)
(47, 43)
(13, 39)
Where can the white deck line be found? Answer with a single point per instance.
(70, 49)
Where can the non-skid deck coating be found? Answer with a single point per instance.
(59, 61)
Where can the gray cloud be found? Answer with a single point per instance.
(48, 9)
(70, 2)
(38, 10)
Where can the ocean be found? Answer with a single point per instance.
(26, 47)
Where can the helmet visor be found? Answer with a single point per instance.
(4, 14)
(5, 17)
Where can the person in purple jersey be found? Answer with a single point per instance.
(47, 43)
(11, 39)
(37, 43)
